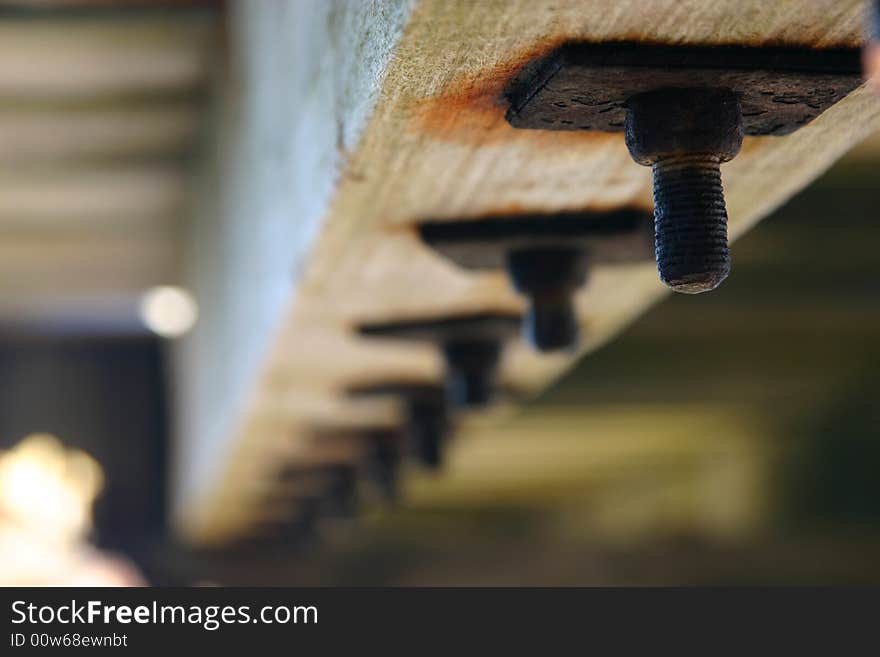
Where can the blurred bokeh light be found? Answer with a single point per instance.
(169, 311)
(47, 494)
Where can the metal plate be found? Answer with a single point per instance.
(476, 326)
(606, 237)
(586, 86)
(420, 391)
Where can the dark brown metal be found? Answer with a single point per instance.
(547, 258)
(617, 236)
(300, 529)
(341, 500)
(471, 345)
(585, 86)
(548, 277)
(427, 421)
(684, 110)
(685, 135)
(378, 465)
(334, 487)
(471, 366)
(382, 464)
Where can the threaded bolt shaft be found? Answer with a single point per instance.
(428, 426)
(383, 464)
(685, 135)
(551, 323)
(470, 371)
(549, 277)
(690, 222)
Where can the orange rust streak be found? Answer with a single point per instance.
(470, 109)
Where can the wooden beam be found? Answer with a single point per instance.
(435, 145)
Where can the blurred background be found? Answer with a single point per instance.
(730, 438)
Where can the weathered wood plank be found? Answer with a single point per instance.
(436, 145)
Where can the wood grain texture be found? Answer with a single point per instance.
(437, 146)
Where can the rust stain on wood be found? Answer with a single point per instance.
(471, 108)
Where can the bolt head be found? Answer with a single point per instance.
(669, 122)
(544, 270)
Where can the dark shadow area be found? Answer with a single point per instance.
(106, 397)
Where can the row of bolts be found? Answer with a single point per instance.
(692, 254)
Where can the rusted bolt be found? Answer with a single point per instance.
(547, 257)
(382, 463)
(329, 493)
(549, 278)
(471, 365)
(684, 110)
(340, 500)
(426, 416)
(303, 528)
(685, 135)
(471, 345)
(427, 425)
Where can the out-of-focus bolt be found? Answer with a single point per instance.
(303, 529)
(685, 135)
(549, 278)
(427, 425)
(471, 345)
(470, 370)
(383, 463)
(340, 500)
